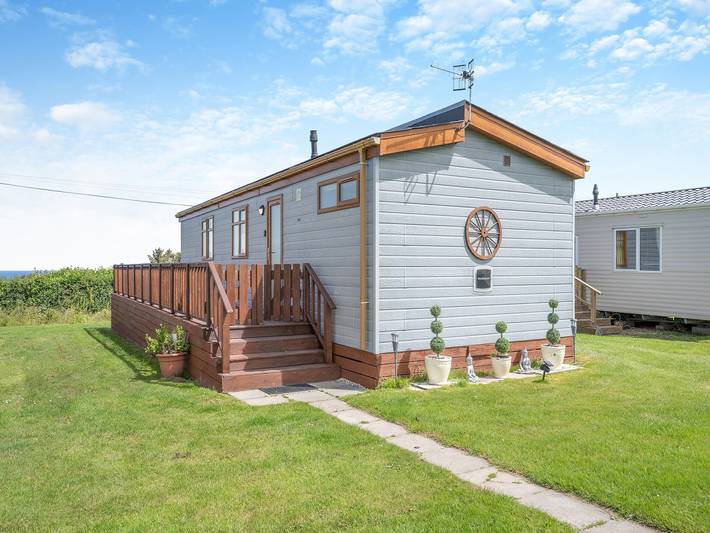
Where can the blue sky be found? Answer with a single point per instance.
(179, 100)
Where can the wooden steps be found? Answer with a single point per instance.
(274, 354)
(603, 325)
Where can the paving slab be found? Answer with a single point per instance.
(354, 417)
(267, 400)
(480, 476)
(454, 460)
(429, 386)
(620, 526)
(415, 443)
(339, 387)
(308, 396)
(248, 394)
(384, 429)
(332, 406)
(566, 508)
(512, 485)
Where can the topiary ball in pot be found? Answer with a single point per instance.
(501, 361)
(502, 346)
(554, 352)
(437, 366)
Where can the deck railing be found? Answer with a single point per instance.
(218, 296)
(585, 293)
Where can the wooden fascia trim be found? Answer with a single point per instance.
(369, 144)
(525, 142)
(392, 142)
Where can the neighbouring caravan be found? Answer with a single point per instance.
(648, 254)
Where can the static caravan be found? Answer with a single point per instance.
(458, 208)
(648, 254)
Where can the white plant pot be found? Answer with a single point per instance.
(501, 365)
(437, 369)
(554, 353)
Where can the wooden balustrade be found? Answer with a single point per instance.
(585, 293)
(219, 296)
(318, 309)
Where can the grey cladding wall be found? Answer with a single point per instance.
(424, 199)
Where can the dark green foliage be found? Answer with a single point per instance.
(553, 335)
(80, 289)
(437, 343)
(163, 341)
(502, 344)
(158, 255)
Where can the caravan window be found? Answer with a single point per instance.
(208, 238)
(338, 193)
(239, 232)
(637, 249)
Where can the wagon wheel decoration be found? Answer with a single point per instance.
(483, 233)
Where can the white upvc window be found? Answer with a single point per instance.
(638, 249)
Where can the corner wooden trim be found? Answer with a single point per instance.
(393, 142)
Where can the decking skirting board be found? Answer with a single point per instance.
(132, 320)
(369, 369)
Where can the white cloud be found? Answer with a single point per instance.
(11, 12)
(275, 23)
(492, 68)
(63, 18)
(356, 26)
(538, 21)
(633, 49)
(101, 55)
(363, 103)
(598, 15)
(603, 43)
(85, 115)
(697, 7)
(660, 104)
(12, 111)
(395, 68)
(177, 28)
(659, 42)
(502, 32)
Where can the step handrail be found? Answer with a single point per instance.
(220, 313)
(594, 289)
(318, 309)
(580, 294)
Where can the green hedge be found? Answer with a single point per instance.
(83, 290)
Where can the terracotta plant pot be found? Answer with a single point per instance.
(172, 364)
(437, 369)
(554, 353)
(501, 365)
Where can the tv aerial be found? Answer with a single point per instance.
(461, 76)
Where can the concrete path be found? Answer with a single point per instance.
(475, 470)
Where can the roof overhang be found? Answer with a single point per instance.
(536, 147)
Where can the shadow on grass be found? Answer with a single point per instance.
(143, 368)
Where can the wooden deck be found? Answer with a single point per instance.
(249, 326)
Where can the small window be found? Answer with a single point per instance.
(240, 231)
(482, 279)
(208, 238)
(637, 249)
(338, 193)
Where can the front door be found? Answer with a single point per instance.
(274, 231)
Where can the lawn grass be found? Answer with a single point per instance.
(631, 431)
(91, 439)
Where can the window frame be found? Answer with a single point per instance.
(637, 267)
(339, 204)
(207, 255)
(475, 278)
(235, 227)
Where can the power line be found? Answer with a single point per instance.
(168, 189)
(92, 195)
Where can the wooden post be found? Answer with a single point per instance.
(208, 298)
(267, 292)
(258, 294)
(243, 293)
(306, 294)
(328, 334)
(296, 295)
(276, 307)
(593, 308)
(286, 309)
(172, 288)
(186, 296)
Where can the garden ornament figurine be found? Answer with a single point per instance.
(525, 364)
(470, 372)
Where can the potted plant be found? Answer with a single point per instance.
(437, 366)
(554, 352)
(170, 349)
(501, 361)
